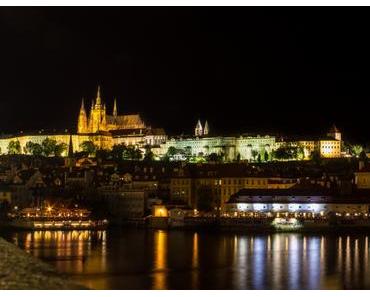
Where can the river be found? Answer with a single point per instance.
(156, 259)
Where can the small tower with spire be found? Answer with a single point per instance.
(115, 112)
(198, 131)
(335, 133)
(97, 119)
(82, 119)
(70, 160)
(206, 128)
(98, 99)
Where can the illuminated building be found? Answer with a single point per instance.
(102, 129)
(243, 147)
(106, 130)
(296, 200)
(362, 176)
(329, 146)
(159, 211)
(223, 181)
(98, 119)
(362, 179)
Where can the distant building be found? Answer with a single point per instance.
(125, 202)
(223, 181)
(296, 200)
(329, 146)
(5, 194)
(98, 126)
(106, 130)
(362, 176)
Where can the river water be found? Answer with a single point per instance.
(156, 259)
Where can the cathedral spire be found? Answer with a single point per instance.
(70, 147)
(198, 129)
(82, 109)
(115, 108)
(82, 119)
(206, 128)
(98, 99)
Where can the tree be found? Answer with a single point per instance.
(300, 152)
(33, 148)
(171, 152)
(356, 150)
(363, 156)
(254, 154)
(259, 158)
(89, 147)
(59, 149)
(266, 156)
(316, 157)
(286, 152)
(14, 147)
(103, 154)
(132, 153)
(118, 151)
(149, 156)
(49, 146)
(213, 157)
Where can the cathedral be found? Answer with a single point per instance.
(99, 121)
(106, 130)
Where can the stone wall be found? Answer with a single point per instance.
(21, 271)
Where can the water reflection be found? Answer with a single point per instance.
(160, 260)
(147, 259)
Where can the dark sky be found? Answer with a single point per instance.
(287, 70)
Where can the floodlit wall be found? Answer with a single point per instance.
(298, 207)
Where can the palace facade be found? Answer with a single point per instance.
(106, 130)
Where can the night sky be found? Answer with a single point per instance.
(278, 70)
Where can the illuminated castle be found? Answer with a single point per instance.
(98, 119)
(106, 130)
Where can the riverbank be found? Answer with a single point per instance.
(259, 224)
(21, 271)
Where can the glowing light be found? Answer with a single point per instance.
(259, 206)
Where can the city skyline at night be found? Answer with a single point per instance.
(263, 72)
(184, 148)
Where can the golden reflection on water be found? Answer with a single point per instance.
(195, 261)
(68, 249)
(160, 260)
(275, 261)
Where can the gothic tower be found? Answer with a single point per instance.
(335, 133)
(90, 123)
(97, 115)
(115, 112)
(206, 129)
(198, 129)
(82, 119)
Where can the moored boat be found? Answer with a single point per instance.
(51, 218)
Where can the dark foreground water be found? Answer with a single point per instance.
(152, 259)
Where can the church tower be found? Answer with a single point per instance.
(82, 119)
(97, 120)
(335, 133)
(198, 129)
(115, 112)
(206, 129)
